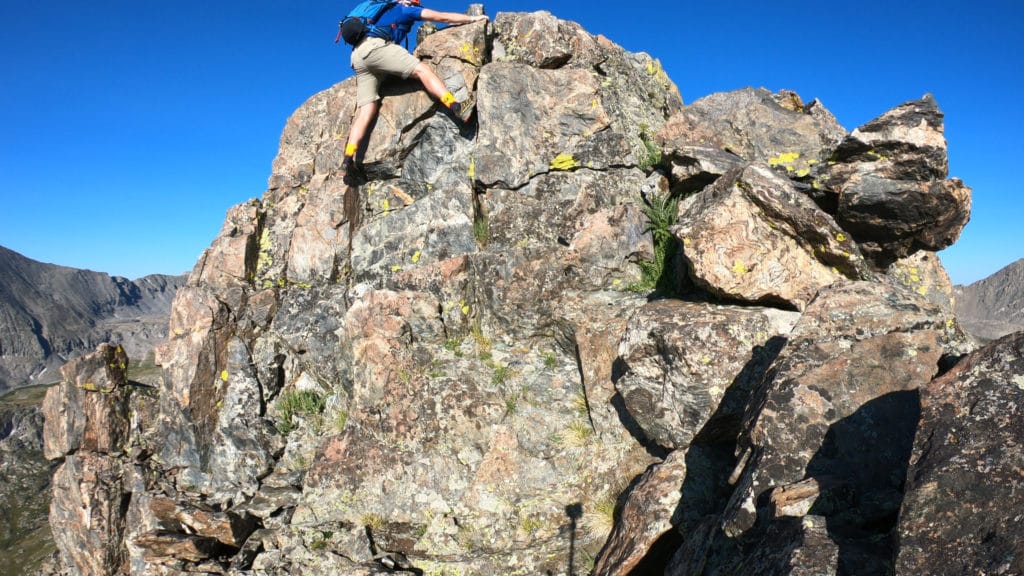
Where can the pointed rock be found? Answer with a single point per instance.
(233, 257)
(886, 183)
(88, 410)
(646, 515)
(905, 143)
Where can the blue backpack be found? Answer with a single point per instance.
(362, 20)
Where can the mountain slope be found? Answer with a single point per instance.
(993, 307)
(50, 313)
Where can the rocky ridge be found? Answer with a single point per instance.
(595, 331)
(50, 313)
(993, 307)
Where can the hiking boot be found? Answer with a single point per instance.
(354, 175)
(464, 110)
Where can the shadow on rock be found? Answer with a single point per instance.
(861, 467)
(842, 518)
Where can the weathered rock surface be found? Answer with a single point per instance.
(749, 125)
(679, 360)
(888, 182)
(962, 511)
(752, 237)
(87, 411)
(829, 432)
(86, 427)
(50, 314)
(860, 342)
(648, 513)
(87, 519)
(471, 364)
(923, 273)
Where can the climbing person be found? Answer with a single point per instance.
(376, 55)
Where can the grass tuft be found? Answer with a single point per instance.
(302, 403)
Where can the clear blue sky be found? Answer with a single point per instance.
(129, 128)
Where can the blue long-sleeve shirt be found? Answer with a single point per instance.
(397, 23)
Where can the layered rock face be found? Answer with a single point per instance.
(518, 349)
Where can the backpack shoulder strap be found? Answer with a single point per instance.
(368, 13)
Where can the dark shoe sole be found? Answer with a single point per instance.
(464, 110)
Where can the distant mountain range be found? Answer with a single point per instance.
(993, 307)
(50, 313)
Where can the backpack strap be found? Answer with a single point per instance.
(362, 20)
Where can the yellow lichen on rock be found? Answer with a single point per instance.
(784, 159)
(564, 162)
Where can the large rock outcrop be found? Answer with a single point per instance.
(517, 349)
(86, 429)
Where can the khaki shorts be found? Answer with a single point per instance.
(374, 60)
